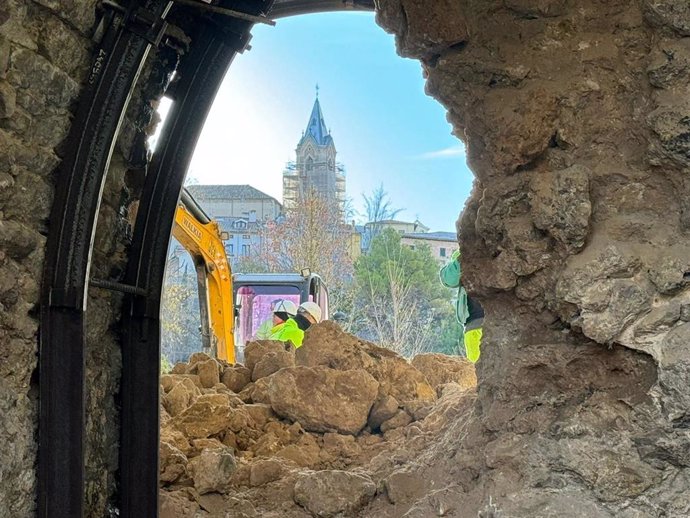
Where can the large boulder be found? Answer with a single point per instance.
(440, 369)
(236, 377)
(272, 362)
(182, 394)
(255, 351)
(208, 415)
(333, 493)
(327, 345)
(322, 399)
(212, 469)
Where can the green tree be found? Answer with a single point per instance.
(400, 302)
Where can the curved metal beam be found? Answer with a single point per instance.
(61, 462)
(285, 8)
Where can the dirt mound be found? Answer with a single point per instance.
(257, 440)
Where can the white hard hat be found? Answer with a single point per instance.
(285, 306)
(313, 309)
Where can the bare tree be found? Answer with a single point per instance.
(378, 208)
(311, 236)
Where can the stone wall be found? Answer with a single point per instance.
(575, 116)
(44, 56)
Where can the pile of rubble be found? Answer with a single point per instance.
(311, 432)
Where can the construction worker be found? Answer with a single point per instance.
(468, 311)
(281, 310)
(308, 313)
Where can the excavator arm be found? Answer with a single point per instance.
(203, 239)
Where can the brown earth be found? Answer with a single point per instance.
(338, 429)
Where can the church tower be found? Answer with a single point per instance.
(315, 169)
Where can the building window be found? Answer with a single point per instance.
(246, 236)
(442, 252)
(230, 236)
(245, 249)
(230, 249)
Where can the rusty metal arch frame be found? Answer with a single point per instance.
(127, 39)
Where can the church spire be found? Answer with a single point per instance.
(316, 127)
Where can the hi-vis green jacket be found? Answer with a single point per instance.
(288, 331)
(450, 277)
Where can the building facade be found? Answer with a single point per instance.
(236, 201)
(241, 210)
(442, 244)
(315, 169)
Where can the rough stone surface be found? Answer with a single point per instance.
(322, 399)
(330, 493)
(212, 469)
(440, 369)
(236, 377)
(328, 346)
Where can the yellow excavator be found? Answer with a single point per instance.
(203, 239)
(233, 306)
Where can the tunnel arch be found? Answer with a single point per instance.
(630, 164)
(128, 35)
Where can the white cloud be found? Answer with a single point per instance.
(454, 151)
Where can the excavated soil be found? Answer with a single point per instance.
(339, 427)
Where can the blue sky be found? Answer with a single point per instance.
(386, 129)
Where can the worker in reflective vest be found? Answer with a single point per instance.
(468, 311)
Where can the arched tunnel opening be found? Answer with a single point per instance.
(575, 120)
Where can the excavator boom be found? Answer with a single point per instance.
(203, 239)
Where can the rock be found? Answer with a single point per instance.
(8, 100)
(560, 204)
(328, 345)
(200, 445)
(305, 452)
(260, 393)
(404, 486)
(208, 373)
(173, 463)
(439, 369)
(420, 409)
(260, 414)
(179, 368)
(673, 13)
(4, 55)
(272, 362)
(384, 408)
(255, 351)
(422, 32)
(212, 503)
(323, 400)
(341, 446)
(236, 377)
(203, 418)
(177, 504)
(212, 469)
(333, 493)
(181, 395)
(175, 438)
(265, 471)
(399, 420)
(167, 382)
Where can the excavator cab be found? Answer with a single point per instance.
(256, 294)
